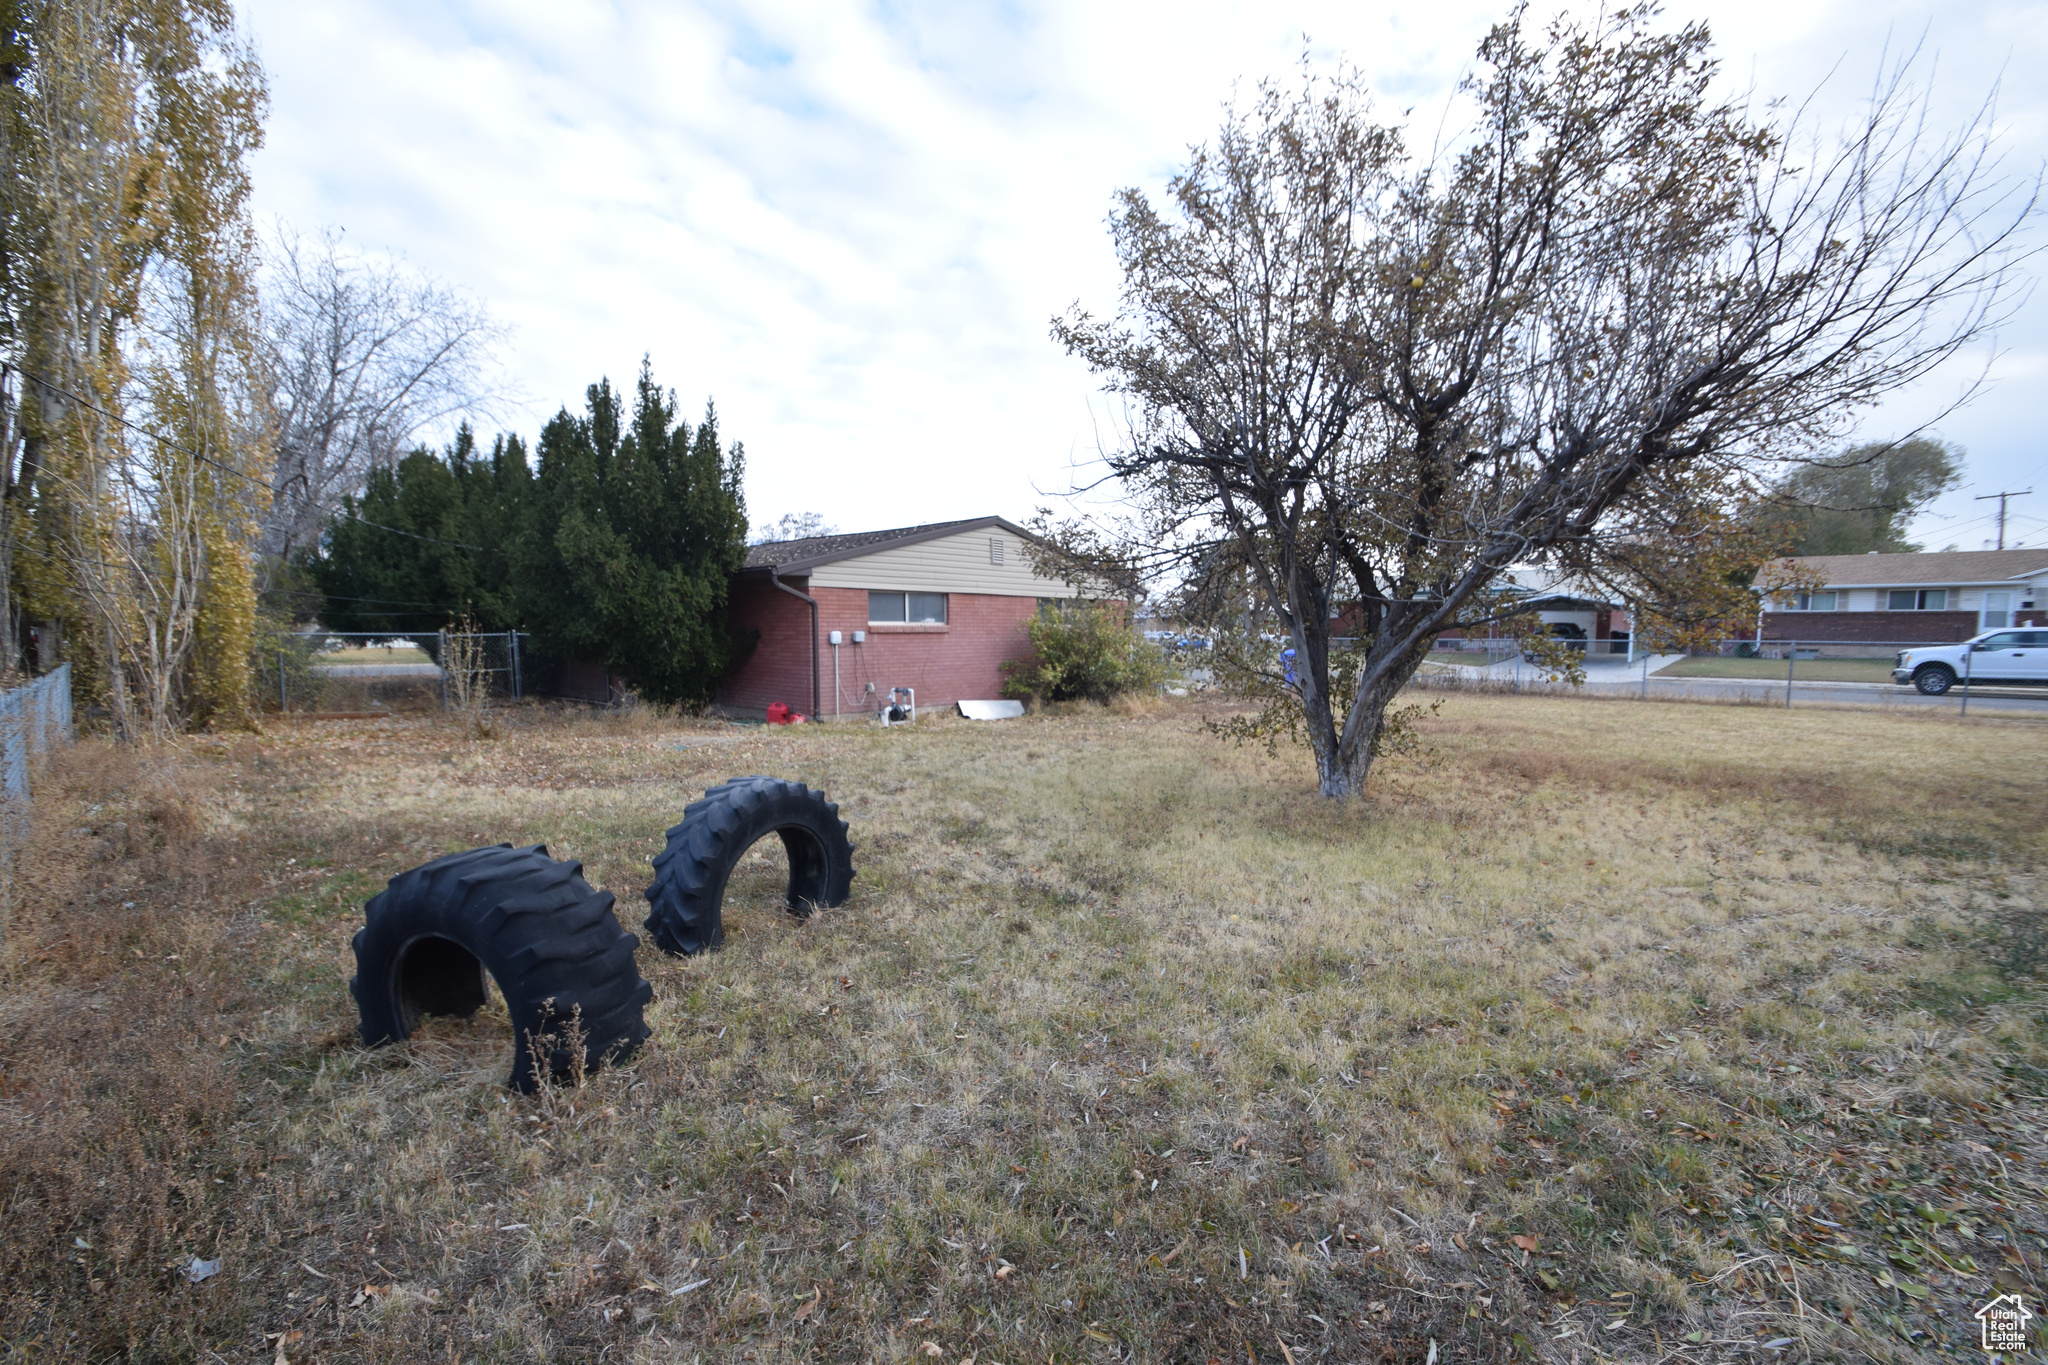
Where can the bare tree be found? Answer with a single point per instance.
(362, 356)
(792, 526)
(1379, 381)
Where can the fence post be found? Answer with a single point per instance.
(1646, 676)
(284, 699)
(441, 657)
(1969, 657)
(516, 692)
(1791, 658)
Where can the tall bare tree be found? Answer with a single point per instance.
(1373, 382)
(361, 356)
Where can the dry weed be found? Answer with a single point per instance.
(1615, 1032)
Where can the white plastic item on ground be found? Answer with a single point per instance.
(991, 710)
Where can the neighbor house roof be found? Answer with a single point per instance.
(1945, 568)
(797, 556)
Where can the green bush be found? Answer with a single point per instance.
(1084, 650)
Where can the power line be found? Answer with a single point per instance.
(431, 540)
(225, 469)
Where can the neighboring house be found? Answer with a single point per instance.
(1912, 598)
(938, 608)
(1569, 607)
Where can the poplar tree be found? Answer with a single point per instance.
(133, 494)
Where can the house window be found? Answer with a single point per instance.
(1919, 599)
(1997, 610)
(1810, 601)
(907, 608)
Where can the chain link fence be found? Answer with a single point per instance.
(34, 719)
(352, 673)
(1760, 669)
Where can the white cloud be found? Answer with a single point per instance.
(850, 223)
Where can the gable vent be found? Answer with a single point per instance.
(995, 549)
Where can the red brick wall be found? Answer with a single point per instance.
(779, 669)
(960, 660)
(1886, 627)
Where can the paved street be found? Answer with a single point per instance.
(1622, 677)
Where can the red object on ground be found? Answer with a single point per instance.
(778, 713)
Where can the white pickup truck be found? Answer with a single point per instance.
(2001, 656)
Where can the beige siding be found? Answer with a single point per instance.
(957, 563)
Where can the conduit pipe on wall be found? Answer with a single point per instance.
(776, 579)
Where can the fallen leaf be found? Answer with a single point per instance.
(1525, 1242)
(932, 1348)
(1458, 1240)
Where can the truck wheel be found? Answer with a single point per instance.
(685, 903)
(1934, 679)
(548, 939)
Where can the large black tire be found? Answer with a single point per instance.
(548, 939)
(685, 903)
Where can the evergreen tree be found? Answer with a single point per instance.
(616, 549)
(638, 524)
(424, 545)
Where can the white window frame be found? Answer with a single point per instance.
(1920, 596)
(905, 598)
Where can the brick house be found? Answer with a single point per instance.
(1932, 598)
(842, 619)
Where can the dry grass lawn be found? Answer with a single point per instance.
(1773, 670)
(1600, 1031)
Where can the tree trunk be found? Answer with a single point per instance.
(1350, 755)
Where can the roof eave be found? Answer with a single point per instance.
(1922, 583)
(955, 528)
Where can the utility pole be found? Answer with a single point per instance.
(2019, 493)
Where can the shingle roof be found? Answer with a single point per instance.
(788, 555)
(1937, 569)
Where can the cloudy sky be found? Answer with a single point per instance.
(849, 222)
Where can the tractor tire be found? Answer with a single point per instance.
(548, 939)
(685, 904)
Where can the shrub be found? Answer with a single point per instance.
(1084, 650)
